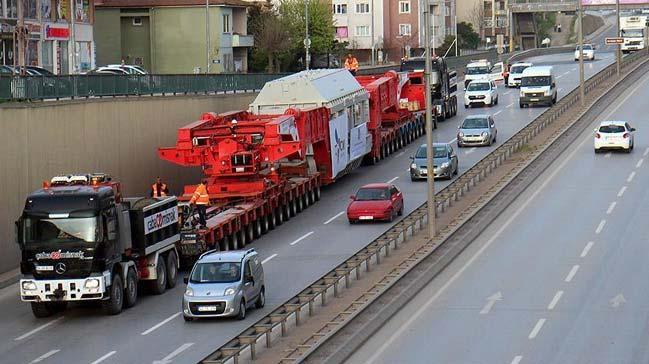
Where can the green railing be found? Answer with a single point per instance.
(84, 86)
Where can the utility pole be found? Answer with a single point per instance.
(373, 49)
(580, 42)
(428, 30)
(207, 36)
(73, 38)
(21, 38)
(307, 40)
(430, 173)
(457, 37)
(618, 52)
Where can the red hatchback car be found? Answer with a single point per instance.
(376, 201)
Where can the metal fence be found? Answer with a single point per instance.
(83, 86)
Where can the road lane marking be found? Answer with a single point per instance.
(302, 238)
(491, 301)
(507, 93)
(161, 323)
(558, 77)
(572, 273)
(498, 112)
(637, 165)
(400, 154)
(630, 178)
(108, 355)
(45, 356)
(555, 300)
(452, 141)
(470, 151)
(565, 73)
(619, 194)
(646, 152)
(510, 105)
(44, 326)
(537, 328)
(517, 359)
(600, 226)
(611, 207)
(586, 249)
(268, 259)
(174, 353)
(393, 179)
(334, 218)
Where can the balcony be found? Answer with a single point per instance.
(239, 40)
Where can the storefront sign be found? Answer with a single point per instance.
(54, 32)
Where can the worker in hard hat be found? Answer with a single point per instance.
(351, 64)
(159, 189)
(201, 199)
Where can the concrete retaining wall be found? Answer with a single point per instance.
(116, 136)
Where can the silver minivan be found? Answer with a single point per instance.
(224, 284)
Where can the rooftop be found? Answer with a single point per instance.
(162, 3)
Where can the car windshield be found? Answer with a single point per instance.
(478, 86)
(587, 47)
(372, 194)
(480, 70)
(535, 81)
(518, 69)
(612, 129)
(438, 152)
(632, 33)
(475, 123)
(37, 230)
(216, 272)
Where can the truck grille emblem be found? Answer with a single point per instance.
(60, 268)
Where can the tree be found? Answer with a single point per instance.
(449, 41)
(405, 42)
(477, 17)
(467, 37)
(271, 39)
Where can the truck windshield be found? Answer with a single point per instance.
(413, 65)
(477, 70)
(216, 272)
(635, 33)
(535, 81)
(38, 230)
(518, 69)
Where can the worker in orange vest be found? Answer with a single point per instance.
(351, 64)
(201, 199)
(159, 189)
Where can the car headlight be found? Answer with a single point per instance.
(460, 134)
(521, 94)
(445, 165)
(484, 134)
(29, 286)
(229, 292)
(413, 166)
(189, 292)
(91, 283)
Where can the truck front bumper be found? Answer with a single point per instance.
(48, 290)
(535, 100)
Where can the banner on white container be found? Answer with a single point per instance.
(339, 143)
(358, 142)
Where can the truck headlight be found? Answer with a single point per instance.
(413, 166)
(91, 283)
(229, 292)
(484, 134)
(29, 286)
(445, 165)
(547, 92)
(521, 94)
(189, 292)
(460, 134)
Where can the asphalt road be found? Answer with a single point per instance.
(295, 255)
(559, 277)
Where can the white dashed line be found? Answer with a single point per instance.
(637, 165)
(586, 249)
(517, 359)
(393, 179)
(470, 151)
(572, 273)
(537, 328)
(268, 259)
(498, 112)
(555, 300)
(507, 93)
(646, 152)
(302, 237)
(600, 227)
(611, 207)
(44, 326)
(161, 323)
(400, 154)
(176, 352)
(619, 194)
(452, 141)
(510, 105)
(334, 218)
(104, 357)
(45, 356)
(630, 178)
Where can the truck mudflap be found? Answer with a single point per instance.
(57, 290)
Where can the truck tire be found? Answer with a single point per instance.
(317, 193)
(279, 216)
(130, 289)
(298, 204)
(113, 305)
(250, 233)
(265, 224)
(159, 285)
(42, 309)
(257, 228)
(172, 269)
(272, 220)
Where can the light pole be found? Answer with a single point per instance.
(373, 49)
(580, 42)
(207, 36)
(430, 173)
(307, 40)
(618, 55)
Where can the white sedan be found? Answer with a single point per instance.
(588, 52)
(614, 135)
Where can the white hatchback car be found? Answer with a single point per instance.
(589, 52)
(482, 92)
(614, 135)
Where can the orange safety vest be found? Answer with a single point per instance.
(351, 64)
(159, 193)
(200, 197)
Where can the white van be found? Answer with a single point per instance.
(538, 86)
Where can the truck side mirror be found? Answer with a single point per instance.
(19, 237)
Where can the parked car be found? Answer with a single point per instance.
(40, 71)
(445, 162)
(107, 71)
(614, 135)
(223, 284)
(477, 130)
(516, 73)
(376, 201)
(481, 92)
(588, 52)
(6, 70)
(129, 68)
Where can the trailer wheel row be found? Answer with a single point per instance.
(404, 136)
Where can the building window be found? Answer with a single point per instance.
(29, 9)
(46, 10)
(340, 8)
(62, 10)
(404, 29)
(362, 8)
(404, 7)
(226, 23)
(47, 58)
(12, 9)
(363, 31)
(32, 52)
(342, 32)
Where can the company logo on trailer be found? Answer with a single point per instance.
(160, 220)
(62, 255)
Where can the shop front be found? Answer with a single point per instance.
(7, 51)
(55, 45)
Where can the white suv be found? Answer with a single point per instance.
(614, 135)
(482, 92)
(516, 73)
(588, 52)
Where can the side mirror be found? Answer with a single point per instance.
(186, 280)
(412, 157)
(595, 130)
(632, 129)
(352, 197)
(249, 279)
(554, 85)
(19, 237)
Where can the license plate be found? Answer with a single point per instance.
(207, 308)
(534, 99)
(187, 242)
(44, 268)
(366, 218)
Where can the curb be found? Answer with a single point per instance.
(9, 278)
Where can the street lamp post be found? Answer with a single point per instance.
(373, 44)
(307, 40)
(207, 36)
(618, 55)
(430, 173)
(580, 42)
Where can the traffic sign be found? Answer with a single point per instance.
(615, 40)
(307, 42)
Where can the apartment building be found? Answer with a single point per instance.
(489, 17)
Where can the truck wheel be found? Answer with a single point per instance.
(298, 204)
(172, 269)
(293, 208)
(317, 193)
(160, 284)
(241, 239)
(130, 291)
(306, 199)
(241, 315)
(272, 220)
(250, 233)
(233, 241)
(261, 299)
(257, 228)
(113, 305)
(265, 225)
(42, 309)
(279, 216)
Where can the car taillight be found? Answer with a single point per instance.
(626, 135)
(597, 135)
